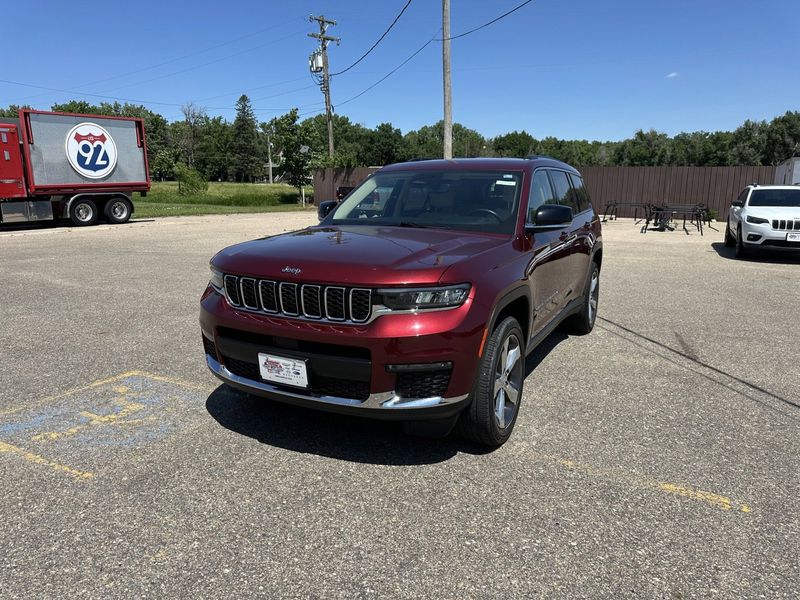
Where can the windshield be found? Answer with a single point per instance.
(786, 198)
(483, 201)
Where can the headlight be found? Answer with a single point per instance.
(756, 220)
(421, 298)
(216, 280)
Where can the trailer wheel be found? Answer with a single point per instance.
(83, 212)
(118, 210)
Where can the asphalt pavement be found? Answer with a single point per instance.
(657, 457)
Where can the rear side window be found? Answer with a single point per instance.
(562, 189)
(580, 193)
(541, 193)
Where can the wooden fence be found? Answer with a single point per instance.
(715, 187)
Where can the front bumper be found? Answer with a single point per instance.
(763, 235)
(360, 358)
(387, 405)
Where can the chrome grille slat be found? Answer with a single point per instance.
(249, 296)
(334, 303)
(287, 292)
(310, 301)
(269, 301)
(299, 300)
(360, 304)
(786, 224)
(232, 289)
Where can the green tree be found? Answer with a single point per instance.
(385, 145)
(749, 144)
(79, 106)
(783, 138)
(190, 181)
(245, 141)
(350, 141)
(294, 149)
(214, 151)
(12, 112)
(162, 166)
(645, 149)
(516, 143)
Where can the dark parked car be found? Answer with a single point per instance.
(417, 298)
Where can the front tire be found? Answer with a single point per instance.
(741, 251)
(83, 212)
(118, 210)
(497, 393)
(582, 322)
(729, 241)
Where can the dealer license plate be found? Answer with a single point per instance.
(793, 237)
(288, 371)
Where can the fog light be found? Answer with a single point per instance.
(753, 237)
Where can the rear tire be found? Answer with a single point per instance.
(582, 322)
(497, 393)
(118, 210)
(83, 212)
(729, 241)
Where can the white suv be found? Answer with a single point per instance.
(764, 216)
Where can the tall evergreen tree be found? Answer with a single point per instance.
(245, 141)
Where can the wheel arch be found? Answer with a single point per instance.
(517, 304)
(597, 257)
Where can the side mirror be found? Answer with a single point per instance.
(549, 217)
(737, 203)
(325, 208)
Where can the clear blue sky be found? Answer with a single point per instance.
(580, 69)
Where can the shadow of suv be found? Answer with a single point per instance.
(417, 298)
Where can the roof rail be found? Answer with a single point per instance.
(535, 156)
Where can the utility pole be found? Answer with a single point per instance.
(319, 62)
(448, 99)
(269, 152)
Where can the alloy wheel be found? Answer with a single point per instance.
(507, 381)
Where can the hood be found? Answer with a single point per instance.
(773, 212)
(355, 255)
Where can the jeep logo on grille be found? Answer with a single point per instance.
(292, 270)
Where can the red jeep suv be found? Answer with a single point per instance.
(417, 297)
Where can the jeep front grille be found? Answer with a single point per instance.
(308, 301)
(786, 224)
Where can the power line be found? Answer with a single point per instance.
(205, 64)
(259, 87)
(390, 73)
(129, 100)
(495, 20)
(179, 58)
(363, 56)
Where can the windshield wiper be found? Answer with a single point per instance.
(412, 224)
